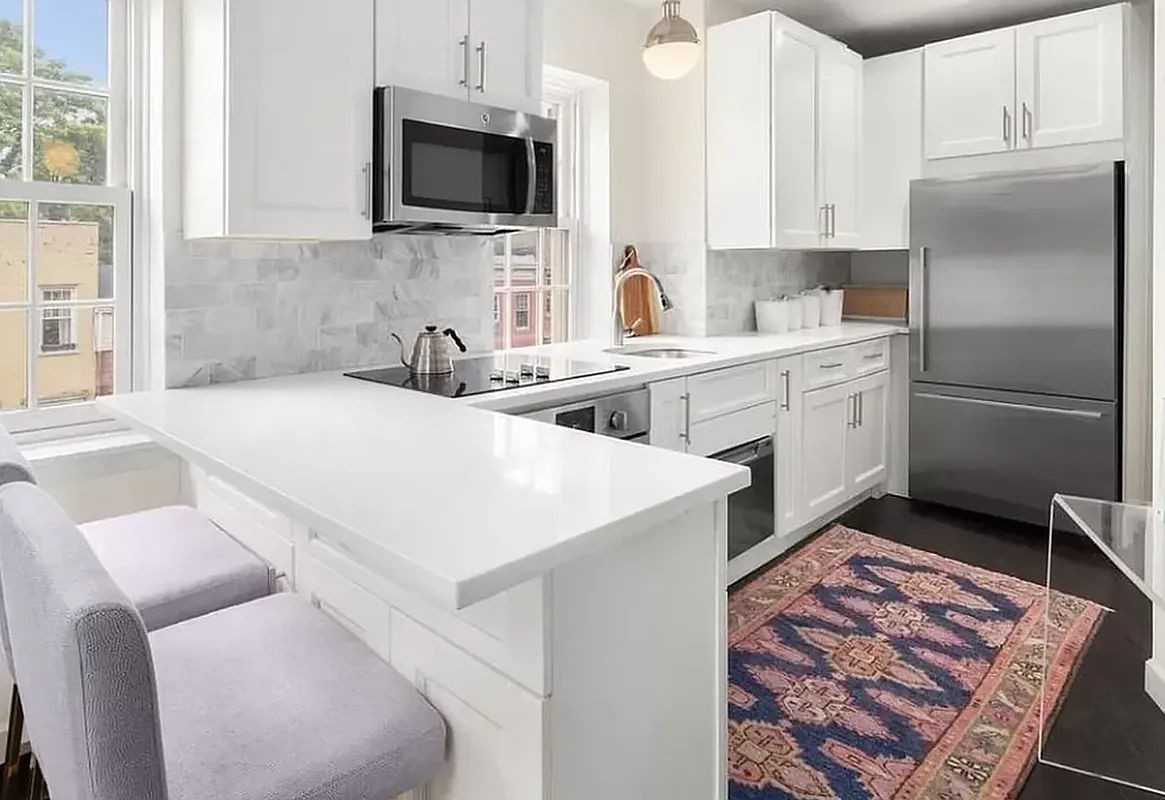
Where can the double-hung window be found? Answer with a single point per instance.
(65, 207)
(534, 270)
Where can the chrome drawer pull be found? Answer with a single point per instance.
(832, 366)
(874, 357)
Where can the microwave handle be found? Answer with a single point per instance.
(531, 175)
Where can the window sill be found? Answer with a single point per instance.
(117, 443)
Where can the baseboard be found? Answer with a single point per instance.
(1155, 682)
(774, 546)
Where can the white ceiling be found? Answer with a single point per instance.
(874, 27)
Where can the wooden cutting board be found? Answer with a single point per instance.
(638, 306)
(877, 302)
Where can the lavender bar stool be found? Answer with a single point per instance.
(173, 564)
(269, 700)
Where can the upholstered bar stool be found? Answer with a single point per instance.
(173, 563)
(269, 700)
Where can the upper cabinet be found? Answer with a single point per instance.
(278, 118)
(487, 51)
(1045, 84)
(892, 138)
(784, 117)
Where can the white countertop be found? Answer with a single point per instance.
(455, 502)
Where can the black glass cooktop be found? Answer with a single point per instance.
(495, 373)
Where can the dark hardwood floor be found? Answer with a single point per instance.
(1106, 721)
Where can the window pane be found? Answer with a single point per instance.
(13, 360)
(555, 258)
(501, 320)
(523, 333)
(13, 251)
(75, 249)
(81, 366)
(555, 322)
(11, 130)
(69, 137)
(12, 36)
(72, 40)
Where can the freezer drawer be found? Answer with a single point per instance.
(1006, 453)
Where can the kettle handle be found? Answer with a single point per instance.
(402, 349)
(452, 334)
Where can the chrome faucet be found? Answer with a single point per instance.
(620, 326)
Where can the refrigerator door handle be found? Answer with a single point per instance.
(975, 401)
(922, 309)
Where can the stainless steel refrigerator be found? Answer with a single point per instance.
(1015, 339)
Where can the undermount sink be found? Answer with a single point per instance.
(640, 351)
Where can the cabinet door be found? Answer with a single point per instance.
(669, 415)
(788, 444)
(827, 416)
(891, 147)
(424, 46)
(506, 50)
(839, 151)
(740, 134)
(970, 95)
(800, 212)
(299, 119)
(867, 452)
(1070, 78)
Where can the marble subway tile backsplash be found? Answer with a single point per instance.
(237, 310)
(738, 278)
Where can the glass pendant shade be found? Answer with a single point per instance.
(672, 47)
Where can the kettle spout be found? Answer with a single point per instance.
(402, 349)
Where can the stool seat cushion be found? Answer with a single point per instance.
(175, 564)
(272, 699)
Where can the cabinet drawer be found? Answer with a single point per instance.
(829, 367)
(871, 357)
(723, 433)
(505, 631)
(715, 394)
(267, 534)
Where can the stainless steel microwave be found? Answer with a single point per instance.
(444, 165)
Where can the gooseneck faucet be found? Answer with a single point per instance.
(620, 326)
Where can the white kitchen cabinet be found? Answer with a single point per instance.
(867, 450)
(278, 119)
(424, 46)
(839, 147)
(783, 132)
(826, 419)
(790, 402)
(669, 423)
(1069, 78)
(892, 147)
(488, 51)
(970, 95)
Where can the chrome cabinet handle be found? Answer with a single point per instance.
(1026, 121)
(831, 366)
(1006, 125)
(922, 309)
(851, 410)
(786, 396)
(465, 62)
(832, 220)
(686, 434)
(825, 220)
(367, 170)
(481, 64)
(861, 409)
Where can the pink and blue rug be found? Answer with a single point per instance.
(861, 669)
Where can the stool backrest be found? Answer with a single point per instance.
(13, 466)
(82, 657)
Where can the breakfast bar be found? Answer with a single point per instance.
(558, 597)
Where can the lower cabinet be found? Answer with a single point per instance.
(844, 443)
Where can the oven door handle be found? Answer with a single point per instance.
(531, 175)
(748, 453)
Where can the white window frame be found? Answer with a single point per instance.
(567, 98)
(38, 423)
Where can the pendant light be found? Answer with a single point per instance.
(672, 47)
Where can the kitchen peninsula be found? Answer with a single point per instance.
(559, 597)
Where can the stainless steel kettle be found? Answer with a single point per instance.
(432, 354)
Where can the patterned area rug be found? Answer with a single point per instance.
(863, 669)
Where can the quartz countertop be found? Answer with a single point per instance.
(449, 498)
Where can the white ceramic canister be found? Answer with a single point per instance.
(796, 312)
(772, 316)
(832, 302)
(811, 299)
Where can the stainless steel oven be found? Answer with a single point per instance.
(752, 514)
(444, 165)
(625, 416)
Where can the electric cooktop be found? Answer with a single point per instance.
(486, 374)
